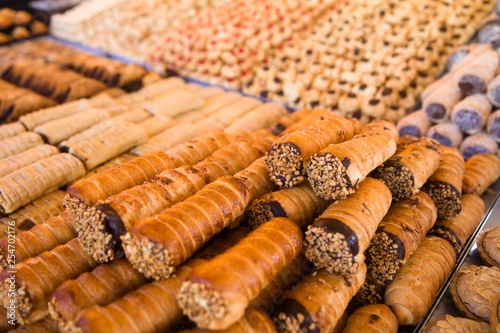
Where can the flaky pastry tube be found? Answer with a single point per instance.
(288, 120)
(18, 143)
(439, 104)
(481, 171)
(415, 124)
(229, 113)
(11, 129)
(372, 318)
(345, 228)
(337, 170)
(261, 117)
(471, 113)
(46, 325)
(307, 121)
(26, 157)
(215, 296)
(289, 157)
(415, 286)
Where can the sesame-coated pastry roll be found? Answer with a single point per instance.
(481, 171)
(459, 228)
(88, 192)
(447, 134)
(261, 117)
(457, 324)
(119, 213)
(31, 182)
(475, 77)
(493, 125)
(11, 129)
(285, 121)
(337, 170)
(488, 246)
(317, 303)
(289, 157)
(494, 91)
(308, 120)
(215, 297)
(411, 293)
(372, 318)
(18, 143)
(38, 277)
(471, 113)
(415, 124)
(156, 245)
(46, 325)
(298, 204)
(478, 144)
(100, 287)
(344, 230)
(406, 172)
(26, 157)
(445, 184)
(398, 236)
(439, 104)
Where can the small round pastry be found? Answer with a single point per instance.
(8, 12)
(22, 18)
(20, 33)
(5, 22)
(374, 318)
(488, 245)
(4, 38)
(495, 316)
(451, 324)
(474, 290)
(38, 28)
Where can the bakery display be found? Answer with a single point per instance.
(489, 247)
(18, 24)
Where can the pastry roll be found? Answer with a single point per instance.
(46, 325)
(495, 316)
(26, 157)
(100, 287)
(119, 213)
(406, 172)
(439, 104)
(210, 91)
(18, 143)
(229, 113)
(8, 130)
(126, 75)
(481, 171)
(344, 230)
(176, 233)
(456, 324)
(475, 77)
(494, 91)
(487, 245)
(308, 120)
(478, 144)
(288, 120)
(471, 113)
(173, 103)
(31, 182)
(261, 117)
(398, 236)
(457, 56)
(88, 192)
(80, 88)
(317, 304)
(493, 125)
(474, 290)
(289, 157)
(447, 134)
(416, 285)
(298, 204)
(215, 296)
(415, 124)
(445, 184)
(372, 318)
(337, 170)
(37, 277)
(219, 101)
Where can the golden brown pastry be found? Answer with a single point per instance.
(474, 78)
(289, 157)
(478, 143)
(309, 120)
(336, 171)
(261, 117)
(18, 143)
(456, 324)
(173, 103)
(344, 230)
(474, 290)
(288, 120)
(372, 318)
(439, 103)
(488, 245)
(26, 157)
(229, 113)
(46, 325)
(415, 124)
(8, 130)
(481, 171)
(495, 316)
(447, 134)
(471, 113)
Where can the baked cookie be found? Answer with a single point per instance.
(488, 245)
(451, 324)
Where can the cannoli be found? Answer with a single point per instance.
(31, 182)
(456, 324)
(88, 192)
(479, 143)
(457, 56)
(337, 170)
(445, 184)
(26, 157)
(493, 126)
(481, 171)
(439, 104)
(18, 143)
(488, 246)
(471, 113)
(398, 236)
(174, 103)
(415, 124)
(8, 130)
(458, 229)
(345, 229)
(261, 117)
(317, 303)
(37, 277)
(174, 235)
(474, 289)
(287, 120)
(447, 134)
(27, 102)
(372, 318)
(228, 114)
(494, 91)
(100, 287)
(475, 77)
(298, 204)
(406, 172)
(289, 157)
(308, 120)
(205, 284)
(119, 213)
(219, 101)
(411, 293)
(80, 88)
(126, 75)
